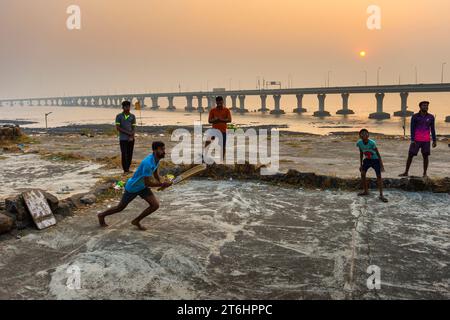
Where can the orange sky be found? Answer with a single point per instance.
(153, 45)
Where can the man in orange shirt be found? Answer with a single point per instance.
(219, 117)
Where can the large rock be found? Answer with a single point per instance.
(441, 186)
(88, 199)
(16, 206)
(6, 223)
(64, 209)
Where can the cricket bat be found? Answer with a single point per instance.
(187, 174)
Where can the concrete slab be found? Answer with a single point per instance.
(228, 240)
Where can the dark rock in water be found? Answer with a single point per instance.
(88, 199)
(6, 223)
(64, 209)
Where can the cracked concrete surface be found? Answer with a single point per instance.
(249, 240)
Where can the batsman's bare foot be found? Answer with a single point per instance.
(403, 175)
(363, 194)
(138, 225)
(101, 221)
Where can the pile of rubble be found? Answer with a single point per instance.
(10, 132)
(15, 213)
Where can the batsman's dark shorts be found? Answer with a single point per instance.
(130, 196)
(425, 147)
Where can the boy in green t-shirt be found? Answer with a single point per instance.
(369, 157)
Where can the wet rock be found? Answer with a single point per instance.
(102, 189)
(6, 223)
(75, 201)
(88, 199)
(441, 186)
(64, 209)
(16, 206)
(10, 132)
(416, 184)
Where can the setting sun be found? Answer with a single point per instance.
(362, 54)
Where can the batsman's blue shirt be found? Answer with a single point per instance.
(146, 169)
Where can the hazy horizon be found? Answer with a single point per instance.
(156, 45)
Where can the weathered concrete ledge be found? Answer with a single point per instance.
(315, 181)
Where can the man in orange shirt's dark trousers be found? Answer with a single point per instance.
(219, 117)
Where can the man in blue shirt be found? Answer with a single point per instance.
(139, 185)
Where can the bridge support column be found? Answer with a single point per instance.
(211, 102)
(141, 101)
(189, 107)
(277, 110)
(300, 108)
(379, 115)
(171, 107)
(321, 112)
(242, 104)
(447, 119)
(345, 110)
(404, 106)
(200, 104)
(234, 107)
(263, 103)
(155, 105)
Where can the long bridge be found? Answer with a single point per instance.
(240, 96)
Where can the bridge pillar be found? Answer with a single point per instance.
(277, 110)
(404, 106)
(299, 108)
(321, 112)
(211, 102)
(345, 110)
(171, 107)
(189, 107)
(234, 107)
(447, 119)
(200, 104)
(263, 103)
(155, 105)
(379, 115)
(242, 104)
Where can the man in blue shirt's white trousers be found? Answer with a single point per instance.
(139, 185)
